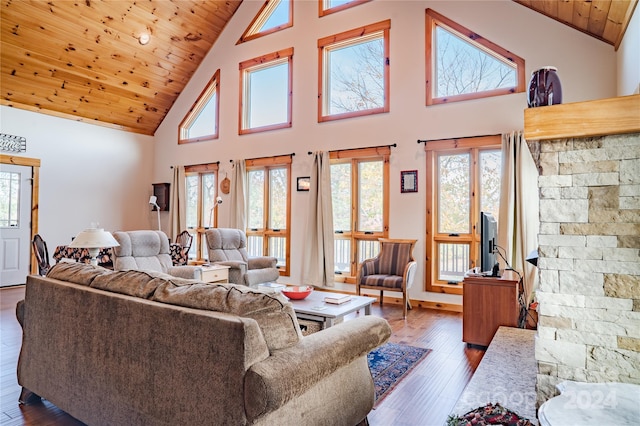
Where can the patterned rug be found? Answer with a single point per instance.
(490, 414)
(390, 363)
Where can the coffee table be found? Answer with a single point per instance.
(314, 308)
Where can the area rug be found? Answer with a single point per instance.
(490, 414)
(390, 363)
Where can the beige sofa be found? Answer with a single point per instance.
(141, 348)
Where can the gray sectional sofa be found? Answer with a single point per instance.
(142, 348)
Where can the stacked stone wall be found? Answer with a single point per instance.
(589, 261)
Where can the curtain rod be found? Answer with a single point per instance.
(369, 147)
(424, 141)
(203, 164)
(260, 158)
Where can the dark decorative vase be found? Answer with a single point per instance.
(544, 88)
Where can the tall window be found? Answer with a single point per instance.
(327, 7)
(360, 197)
(462, 65)
(201, 122)
(354, 73)
(275, 15)
(265, 92)
(202, 209)
(464, 180)
(268, 209)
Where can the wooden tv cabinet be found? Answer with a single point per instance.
(488, 303)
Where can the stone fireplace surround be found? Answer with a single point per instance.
(588, 157)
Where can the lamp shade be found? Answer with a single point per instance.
(94, 238)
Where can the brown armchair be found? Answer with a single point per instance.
(393, 269)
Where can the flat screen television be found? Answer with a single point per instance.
(488, 239)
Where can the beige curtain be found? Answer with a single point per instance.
(177, 211)
(519, 220)
(237, 211)
(318, 260)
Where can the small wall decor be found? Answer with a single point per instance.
(544, 88)
(225, 185)
(409, 181)
(304, 183)
(11, 143)
(161, 191)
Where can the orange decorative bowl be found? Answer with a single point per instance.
(297, 292)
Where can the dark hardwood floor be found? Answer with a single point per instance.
(425, 397)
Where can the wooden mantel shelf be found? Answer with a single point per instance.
(583, 119)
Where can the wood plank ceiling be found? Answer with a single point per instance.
(81, 59)
(605, 20)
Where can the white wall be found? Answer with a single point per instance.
(539, 40)
(629, 58)
(88, 173)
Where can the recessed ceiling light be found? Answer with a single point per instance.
(144, 38)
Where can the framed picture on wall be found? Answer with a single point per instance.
(409, 181)
(304, 183)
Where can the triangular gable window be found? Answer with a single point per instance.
(462, 65)
(201, 122)
(275, 15)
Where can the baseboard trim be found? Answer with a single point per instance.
(451, 307)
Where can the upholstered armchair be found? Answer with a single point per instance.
(393, 269)
(227, 246)
(148, 250)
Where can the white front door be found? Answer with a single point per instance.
(15, 223)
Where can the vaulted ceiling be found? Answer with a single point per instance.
(83, 59)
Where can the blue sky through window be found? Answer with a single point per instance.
(279, 16)
(268, 99)
(205, 123)
(336, 3)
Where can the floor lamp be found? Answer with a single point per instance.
(153, 200)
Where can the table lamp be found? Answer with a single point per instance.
(94, 239)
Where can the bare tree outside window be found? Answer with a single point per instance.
(464, 68)
(462, 65)
(357, 77)
(355, 72)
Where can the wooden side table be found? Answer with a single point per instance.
(215, 274)
(488, 303)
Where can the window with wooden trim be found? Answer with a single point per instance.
(326, 7)
(265, 92)
(202, 120)
(354, 73)
(463, 180)
(275, 15)
(462, 65)
(201, 190)
(360, 198)
(269, 209)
